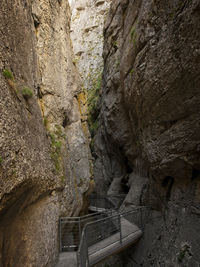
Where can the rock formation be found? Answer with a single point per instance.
(150, 127)
(148, 139)
(87, 23)
(87, 37)
(44, 152)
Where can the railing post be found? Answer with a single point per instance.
(120, 228)
(78, 258)
(79, 227)
(141, 221)
(87, 264)
(86, 247)
(60, 235)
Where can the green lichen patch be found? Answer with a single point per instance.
(45, 121)
(115, 44)
(8, 74)
(57, 138)
(133, 36)
(59, 131)
(27, 93)
(185, 249)
(56, 151)
(93, 109)
(1, 159)
(132, 71)
(93, 126)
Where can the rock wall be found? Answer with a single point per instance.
(149, 134)
(87, 38)
(44, 153)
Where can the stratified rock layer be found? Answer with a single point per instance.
(44, 154)
(150, 127)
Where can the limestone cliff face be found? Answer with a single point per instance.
(60, 96)
(44, 154)
(86, 33)
(148, 142)
(87, 37)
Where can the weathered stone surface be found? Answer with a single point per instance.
(44, 153)
(60, 91)
(86, 32)
(137, 192)
(87, 37)
(150, 122)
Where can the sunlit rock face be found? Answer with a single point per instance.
(44, 153)
(87, 37)
(150, 128)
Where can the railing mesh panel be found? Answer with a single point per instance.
(71, 229)
(101, 229)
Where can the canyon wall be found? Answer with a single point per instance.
(86, 33)
(44, 152)
(148, 141)
(87, 38)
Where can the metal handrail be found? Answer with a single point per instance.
(83, 255)
(82, 217)
(71, 228)
(80, 233)
(115, 215)
(112, 201)
(106, 196)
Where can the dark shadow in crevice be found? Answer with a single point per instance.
(124, 185)
(39, 92)
(168, 182)
(127, 166)
(65, 121)
(195, 173)
(36, 21)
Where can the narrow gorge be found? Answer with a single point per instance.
(99, 97)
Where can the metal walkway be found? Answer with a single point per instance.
(87, 240)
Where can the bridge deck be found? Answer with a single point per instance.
(67, 259)
(111, 245)
(106, 247)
